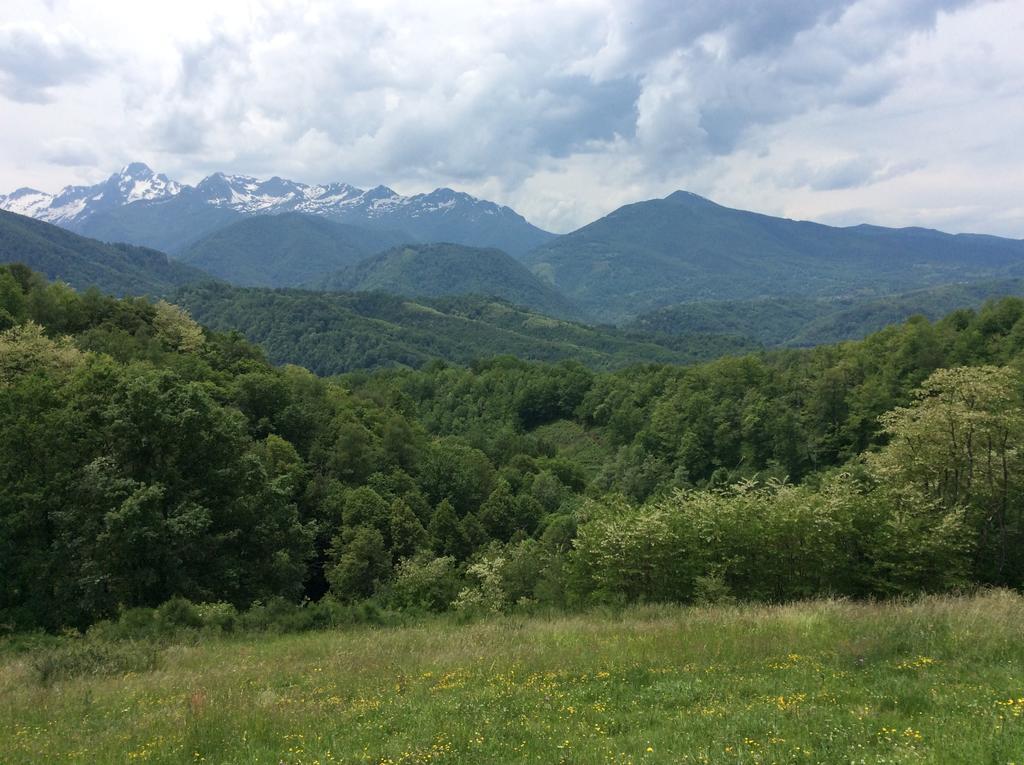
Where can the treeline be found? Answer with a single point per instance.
(798, 322)
(336, 332)
(144, 458)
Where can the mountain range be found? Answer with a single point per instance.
(685, 248)
(672, 266)
(139, 206)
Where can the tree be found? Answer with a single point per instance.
(458, 473)
(446, 536)
(957, 448)
(361, 562)
(498, 512)
(405, 531)
(176, 329)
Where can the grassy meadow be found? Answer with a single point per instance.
(936, 680)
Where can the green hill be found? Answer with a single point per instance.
(285, 250)
(331, 333)
(685, 248)
(802, 322)
(120, 269)
(170, 224)
(436, 270)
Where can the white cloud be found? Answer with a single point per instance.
(34, 61)
(899, 113)
(70, 152)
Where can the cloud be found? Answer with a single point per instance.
(461, 95)
(850, 173)
(561, 108)
(70, 152)
(34, 61)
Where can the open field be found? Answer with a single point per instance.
(940, 680)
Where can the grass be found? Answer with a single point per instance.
(940, 680)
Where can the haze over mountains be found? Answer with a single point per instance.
(285, 250)
(118, 269)
(680, 267)
(436, 270)
(685, 248)
(139, 206)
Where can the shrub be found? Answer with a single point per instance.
(424, 583)
(179, 612)
(220, 617)
(488, 595)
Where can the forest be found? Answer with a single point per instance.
(145, 459)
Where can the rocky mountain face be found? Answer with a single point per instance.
(139, 206)
(74, 204)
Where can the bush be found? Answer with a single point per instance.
(488, 595)
(424, 583)
(220, 617)
(179, 612)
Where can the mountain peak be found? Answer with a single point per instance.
(24, 191)
(687, 197)
(380, 192)
(442, 215)
(137, 170)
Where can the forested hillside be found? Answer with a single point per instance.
(143, 457)
(438, 270)
(803, 322)
(331, 332)
(121, 269)
(285, 250)
(685, 248)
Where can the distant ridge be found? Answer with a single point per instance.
(119, 269)
(285, 250)
(142, 207)
(685, 248)
(437, 270)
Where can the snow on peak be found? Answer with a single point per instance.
(26, 201)
(138, 170)
(136, 182)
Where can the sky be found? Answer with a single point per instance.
(894, 112)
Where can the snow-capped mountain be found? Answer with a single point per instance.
(142, 207)
(74, 204)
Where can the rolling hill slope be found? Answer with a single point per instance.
(285, 250)
(685, 248)
(120, 269)
(801, 322)
(331, 333)
(436, 270)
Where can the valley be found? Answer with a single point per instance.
(391, 383)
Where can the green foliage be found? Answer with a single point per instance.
(117, 268)
(684, 249)
(331, 333)
(362, 563)
(805, 322)
(285, 250)
(424, 583)
(437, 270)
(955, 461)
(143, 460)
(486, 594)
